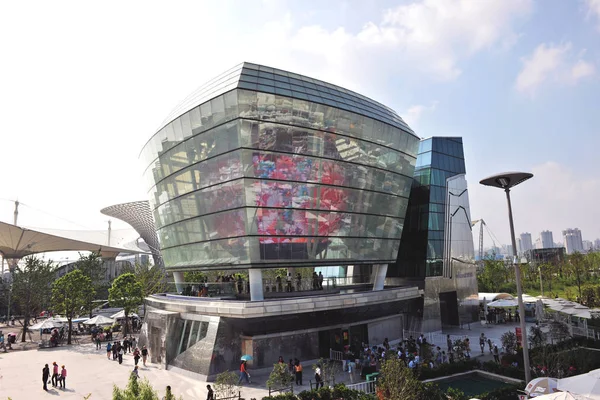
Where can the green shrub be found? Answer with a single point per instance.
(506, 393)
(283, 396)
(447, 369)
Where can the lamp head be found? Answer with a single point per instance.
(506, 180)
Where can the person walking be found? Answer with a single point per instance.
(2, 345)
(449, 343)
(144, 355)
(320, 280)
(135, 373)
(108, 350)
(211, 394)
(133, 343)
(243, 372)
(319, 376)
(120, 355)
(298, 371)
(168, 394)
(482, 342)
(136, 356)
(54, 374)
(98, 342)
(496, 354)
(489, 342)
(63, 377)
(45, 376)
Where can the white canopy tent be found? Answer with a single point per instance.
(17, 242)
(493, 296)
(587, 385)
(99, 320)
(507, 303)
(121, 315)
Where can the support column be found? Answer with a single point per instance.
(256, 284)
(380, 273)
(178, 278)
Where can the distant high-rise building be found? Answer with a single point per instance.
(597, 244)
(573, 241)
(587, 245)
(519, 247)
(546, 239)
(526, 243)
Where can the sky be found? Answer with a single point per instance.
(84, 85)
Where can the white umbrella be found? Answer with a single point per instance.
(584, 384)
(121, 315)
(99, 320)
(47, 324)
(563, 396)
(540, 386)
(503, 303)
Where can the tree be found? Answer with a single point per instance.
(151, 277)
(547, 271)
(493, 275)
(536, 336)
(137, 389)
(578, 269)
(226, 384)
(70, 294)
(93, 267)
(128, 293)
(559, 331)
(509, 342)
(396, 381)
(280, 377)
(32, 288)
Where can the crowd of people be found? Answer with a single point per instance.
(414, 353)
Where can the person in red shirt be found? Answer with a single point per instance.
(243, 372)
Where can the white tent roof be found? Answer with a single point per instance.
(47, 324)
(121, 314)
(503, 303)
(99, 320)
(494, 296)
(584, 384)
(17, 242)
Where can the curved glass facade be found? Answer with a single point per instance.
(256, 175)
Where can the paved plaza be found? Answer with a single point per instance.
(89, 371)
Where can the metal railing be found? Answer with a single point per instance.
(236, 287)
(284, 389)
(335, 355)
(365, 387)
(235, 397)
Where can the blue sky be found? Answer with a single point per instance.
(84, 85)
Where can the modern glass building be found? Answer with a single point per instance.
(433, 204)
(436, 250)
(262, 167)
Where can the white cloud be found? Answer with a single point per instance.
(437, 34)
(581, 69)
(551, 63)
(413, 114)
(594, 9)
(556, 198)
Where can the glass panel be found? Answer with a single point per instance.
(218, 110)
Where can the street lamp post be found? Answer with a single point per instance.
(506, 181)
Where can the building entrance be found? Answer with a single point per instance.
(449, 309)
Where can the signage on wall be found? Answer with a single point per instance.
(464, 275)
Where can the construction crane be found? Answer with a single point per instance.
(481, 225)
(473, 223)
